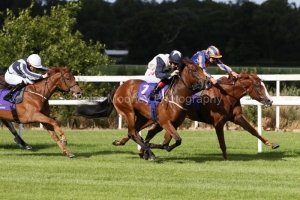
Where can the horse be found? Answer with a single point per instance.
(34, 106)
(219, 104)
(169, 113)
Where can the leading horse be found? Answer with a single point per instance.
(170, 112)
(219, 104)
(35, 107)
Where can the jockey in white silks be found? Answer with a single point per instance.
(159, 69)
(21, 73)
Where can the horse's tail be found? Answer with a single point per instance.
(101, 109)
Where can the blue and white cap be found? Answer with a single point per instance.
(175, 57)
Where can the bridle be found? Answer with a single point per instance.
(256, 88)
(200, 81)
(64, 80)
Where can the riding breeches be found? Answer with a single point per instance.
(13, 79)
(150, 77)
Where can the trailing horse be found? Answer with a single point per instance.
(34, 104)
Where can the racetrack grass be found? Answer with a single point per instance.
(194, 170)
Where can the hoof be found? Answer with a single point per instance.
(70, 155)
(146, 155)
(141, 155)
(28, 147)
(275, 146)
(153, 157)
(64, 142)
(116, 142)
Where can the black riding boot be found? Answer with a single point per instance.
(9, 95)
(154, 94)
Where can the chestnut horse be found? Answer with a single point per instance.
(34, 106)
(170, 112)
(220, 104)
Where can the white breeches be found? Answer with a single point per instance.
(13, 79)
(150, 77)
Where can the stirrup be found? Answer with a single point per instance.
(153, 97)
(8, 98)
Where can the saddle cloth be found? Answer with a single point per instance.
(6, 105)
(146, 88)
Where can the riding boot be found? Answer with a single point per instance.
(154, 94)
(9, 96)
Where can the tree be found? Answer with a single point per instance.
(51, 36)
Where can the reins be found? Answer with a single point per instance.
(193, 87)
(54, 83)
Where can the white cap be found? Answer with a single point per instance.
(35, 61)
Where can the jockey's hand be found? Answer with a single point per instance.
(235, 75)
(175, 72)
(213, 80)
(45, 75)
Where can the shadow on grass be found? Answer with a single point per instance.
(171, 157)
(200, 158)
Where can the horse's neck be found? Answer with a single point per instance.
(235, 91)
(46, 87)
(179, 91)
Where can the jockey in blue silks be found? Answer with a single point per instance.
(210, 56)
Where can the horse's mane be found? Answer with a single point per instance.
(182, 65)
(3, 70)
(54, 70)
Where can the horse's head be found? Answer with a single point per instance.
(256, 89)
(194, 74)
(66, 81)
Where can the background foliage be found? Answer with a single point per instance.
(75, 33)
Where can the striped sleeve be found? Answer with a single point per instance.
(223, 67)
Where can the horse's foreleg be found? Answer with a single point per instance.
(140, 123)
(17, 138)
(57, 140)
(50, 125)
(241, 120)
(220, 134)
(171, 132)
(121, 142)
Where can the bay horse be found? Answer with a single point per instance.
(35, 107)
(216, 106)
(170, 112)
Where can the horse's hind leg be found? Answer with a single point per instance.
(129, 115)
(241, 120)
(17, 138)
(140, 123)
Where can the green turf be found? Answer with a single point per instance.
(194, 170)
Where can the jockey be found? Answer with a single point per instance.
(21, 73)
(159, 70)
(210, 56)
